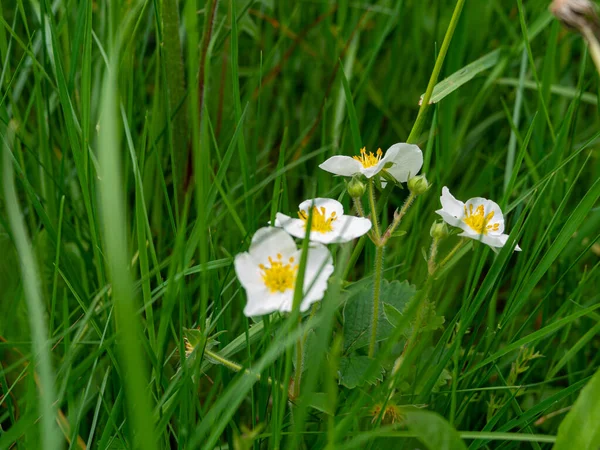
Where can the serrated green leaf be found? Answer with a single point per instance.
(358, 312)
(393, 315)
(398, 294)
(579, 429)
(353, 369)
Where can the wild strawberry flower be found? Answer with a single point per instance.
(479, 218)
(401, 160)
(268, 272)
(329, 224)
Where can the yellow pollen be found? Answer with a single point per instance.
(320, 222)
(368, 159)
(279, 277)
(189, 348)
(478, 221)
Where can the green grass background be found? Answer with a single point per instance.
(145, 141)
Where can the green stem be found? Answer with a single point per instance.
(420, 121)
(373, 206)
(376, 291)
(593, 45)
(221, 360)
(235, 366)
(359, 207)
(431, 266)
(298, 373)
(398, 215)
(456, 248)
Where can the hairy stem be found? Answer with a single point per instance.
(431, 266)
(298, 373)
(376, 291)
(359, 207)
(398, 215)
(373, 206)
(235, 366)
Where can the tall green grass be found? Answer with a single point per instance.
(144, 142)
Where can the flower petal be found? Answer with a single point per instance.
(495, 241)
(295, 227)
(450, 219)
(347, 228)
(330, 205)
(269, 241)
(247, 271)
(370, 172)
(451, 205)
(261, 302)
(342, 165)
(319, 268)
(407, 160)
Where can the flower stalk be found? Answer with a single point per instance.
(299, 360)
(398, 215)
(359, 207)
(376, 293)
(380, 242)
(235, 366)
(373, 205)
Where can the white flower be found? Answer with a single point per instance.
(329, 224)
(479, 218)
(401, 161)
(268, 272)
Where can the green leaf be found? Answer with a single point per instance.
(320, 401)
(579, 429)
(358, 312)
(467, 73)
(393, 315)
(433, 430)
(353, 369)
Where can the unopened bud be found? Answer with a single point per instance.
(356, 188)
(439, 230)
(418, 185)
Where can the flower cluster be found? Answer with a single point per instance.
(269, 269)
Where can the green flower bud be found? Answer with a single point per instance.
(439, 230)
(356, 188)
(418, 185)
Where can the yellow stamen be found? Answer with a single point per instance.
(478, 221)
(320, 222)
(279, 277)
(189, 348)
(368, 159)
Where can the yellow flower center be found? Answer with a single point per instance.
(368, 159)
(279, 277)
(478, 221)
(320, 222)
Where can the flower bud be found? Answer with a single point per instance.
(439, 230)
(356, 188)
(418, 185)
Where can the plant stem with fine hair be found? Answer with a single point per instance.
(376, 293)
